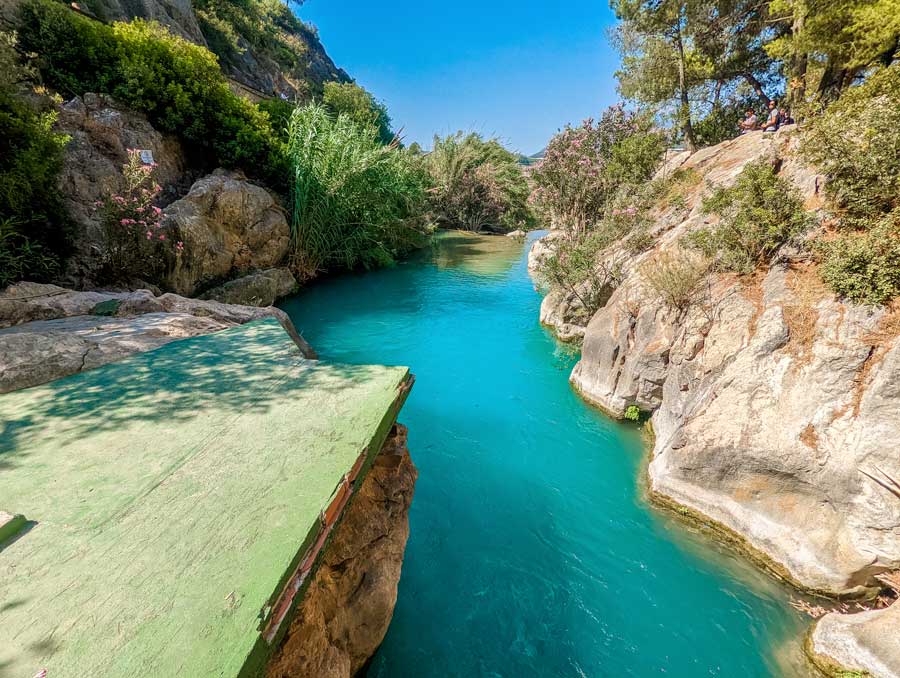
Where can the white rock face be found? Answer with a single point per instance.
(769, 396)
(868, 641)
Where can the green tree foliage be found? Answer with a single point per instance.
(855, 143)
(827, 45)
(694, 59)
(758, 214)
(360, 106)
(176, 83)
(355, 202)
(267, 26)
(478, 185)
(34, 230)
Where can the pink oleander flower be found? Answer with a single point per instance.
(156, 210)
(179, 246)
(162, 236)
(149, 235)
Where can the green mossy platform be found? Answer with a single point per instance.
(170, 496)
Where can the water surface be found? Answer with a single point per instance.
(532, 551)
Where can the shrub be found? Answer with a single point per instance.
(865, 267)
(176, 83)
(356, 102)
(355, 202)
(136, 245)
(268, 26)
(633, 413)
(35, 233)
(577, 267)
(478, 185)
(676, 277)
(855, 144)
(759, 213)
(584, 166)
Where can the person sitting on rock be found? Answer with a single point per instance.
(774, 119)
(748, 124)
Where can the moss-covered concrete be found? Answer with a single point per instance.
(170, 496)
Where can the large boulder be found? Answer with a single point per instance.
(347, 609)
(47, 332)
(101, 131)
(229, 226)
(260, 288)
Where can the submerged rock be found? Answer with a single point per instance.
(48, 332)
(345, 613)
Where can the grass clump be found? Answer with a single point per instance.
(758, 214)
(34, 229)
(478, 185)
(676, 276)
(177, 84)
(355, 201)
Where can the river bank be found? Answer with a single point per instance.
(573, 571)
(771, 401)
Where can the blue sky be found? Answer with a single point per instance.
(517, 70)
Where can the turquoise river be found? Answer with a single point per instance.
(533, 551)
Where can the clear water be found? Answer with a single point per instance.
(532, 551)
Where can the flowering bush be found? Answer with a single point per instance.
(584, 166)
(136, 244)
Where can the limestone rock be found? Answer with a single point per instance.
(44, 350)
(769, 396)
(518, 234)
(47, 332)
(347, 609)
(261, 288)
(101, 131)
(865, 642)
(228, 226)
(540, 250)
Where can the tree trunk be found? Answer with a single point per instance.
(830, 84)
(799, 60)
(685, 107)
(717, 95)
(757, 86)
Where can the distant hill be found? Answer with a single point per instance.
(532, 159)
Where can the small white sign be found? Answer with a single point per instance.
(147, 157)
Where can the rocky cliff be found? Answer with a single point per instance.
(346, 611)
(292, 62)
(769, 397)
